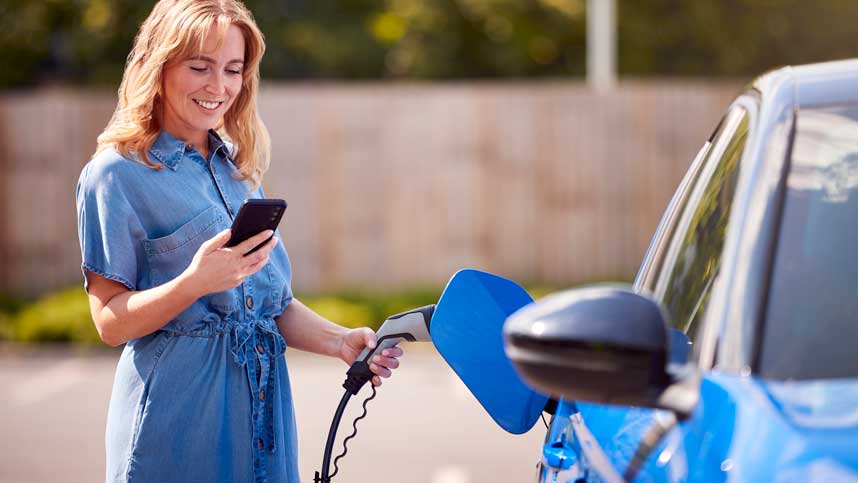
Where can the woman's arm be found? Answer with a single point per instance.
(121, 314)
(306, 330)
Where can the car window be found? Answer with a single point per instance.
(658, 246)
(693, 261)
(810, 329)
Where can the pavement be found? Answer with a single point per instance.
(424, 426)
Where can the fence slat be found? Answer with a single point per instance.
(393, 185)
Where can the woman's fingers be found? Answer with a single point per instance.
(380, 370)
(388, 362)
(250, 270)
(252, 263)
(259, 258)
(255, 261)
(394, 351)
(251, 242)
(261, 254)
(383, 364)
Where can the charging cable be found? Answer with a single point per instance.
(410, 326)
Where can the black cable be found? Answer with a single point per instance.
(354, 433)
(332, 435)
(543, 420)
(356, 377)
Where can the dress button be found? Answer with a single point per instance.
(189, 147)
(261, 395)
(249, 302)
(259, 443)
(260, 349)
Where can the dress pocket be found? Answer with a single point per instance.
(170, 255)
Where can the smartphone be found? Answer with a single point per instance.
(255, 216)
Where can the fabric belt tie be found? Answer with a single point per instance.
(256, 344)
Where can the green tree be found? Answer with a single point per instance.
(87, 41)
(732, 37)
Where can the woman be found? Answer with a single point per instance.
(201, 390)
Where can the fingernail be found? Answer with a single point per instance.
(385, 352)
(376, 359)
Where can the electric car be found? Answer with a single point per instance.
(734, 356)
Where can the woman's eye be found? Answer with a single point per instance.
(233, 71)
(198, 69)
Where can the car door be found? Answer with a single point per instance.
(596, 442)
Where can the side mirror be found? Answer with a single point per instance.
(603, 344)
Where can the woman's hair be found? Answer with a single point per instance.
(175, 30)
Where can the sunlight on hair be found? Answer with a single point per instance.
(173, 31)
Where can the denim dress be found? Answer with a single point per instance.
(207, 397)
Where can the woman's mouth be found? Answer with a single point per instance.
(208, 105)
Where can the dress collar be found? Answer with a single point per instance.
(170, 151)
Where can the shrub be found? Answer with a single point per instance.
(9, 306)
(7, 330)
(344, 312)
(376, 305)
(59, 317)
(64, 316)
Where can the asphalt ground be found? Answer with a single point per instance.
(422, 427)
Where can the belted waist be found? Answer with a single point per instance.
(255, 345)
(260, 335)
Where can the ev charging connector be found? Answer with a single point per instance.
(410, 326)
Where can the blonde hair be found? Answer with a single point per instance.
(177, 29)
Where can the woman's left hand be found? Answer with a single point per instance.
(355, 340)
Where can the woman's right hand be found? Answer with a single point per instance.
(216, 268)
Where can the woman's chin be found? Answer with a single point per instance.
(207, 125)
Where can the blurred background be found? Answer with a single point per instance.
(537, 139)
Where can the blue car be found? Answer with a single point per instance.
(735, 354)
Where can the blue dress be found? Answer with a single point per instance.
(207, 397)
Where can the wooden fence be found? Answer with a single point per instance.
(397, 185)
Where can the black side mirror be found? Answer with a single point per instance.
(604, 344)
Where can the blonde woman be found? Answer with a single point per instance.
(201, 390)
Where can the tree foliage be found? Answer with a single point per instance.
(86, 41)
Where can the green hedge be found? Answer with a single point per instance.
(64, 316)
(58, 317)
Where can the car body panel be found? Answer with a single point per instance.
(743, 428)
(751, 437)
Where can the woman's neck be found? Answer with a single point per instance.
(198, 139)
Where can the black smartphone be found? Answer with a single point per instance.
(255, 216)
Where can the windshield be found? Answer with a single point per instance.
(811, 326)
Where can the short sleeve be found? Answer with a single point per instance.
(286, 297)
(109, 230)
(281, 259)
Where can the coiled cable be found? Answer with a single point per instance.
(354, 433)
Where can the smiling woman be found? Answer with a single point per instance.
(201, 392)
(188, 52)
(198, 90)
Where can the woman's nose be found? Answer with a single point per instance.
(216, 83)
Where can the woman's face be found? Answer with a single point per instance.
(199, 90)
